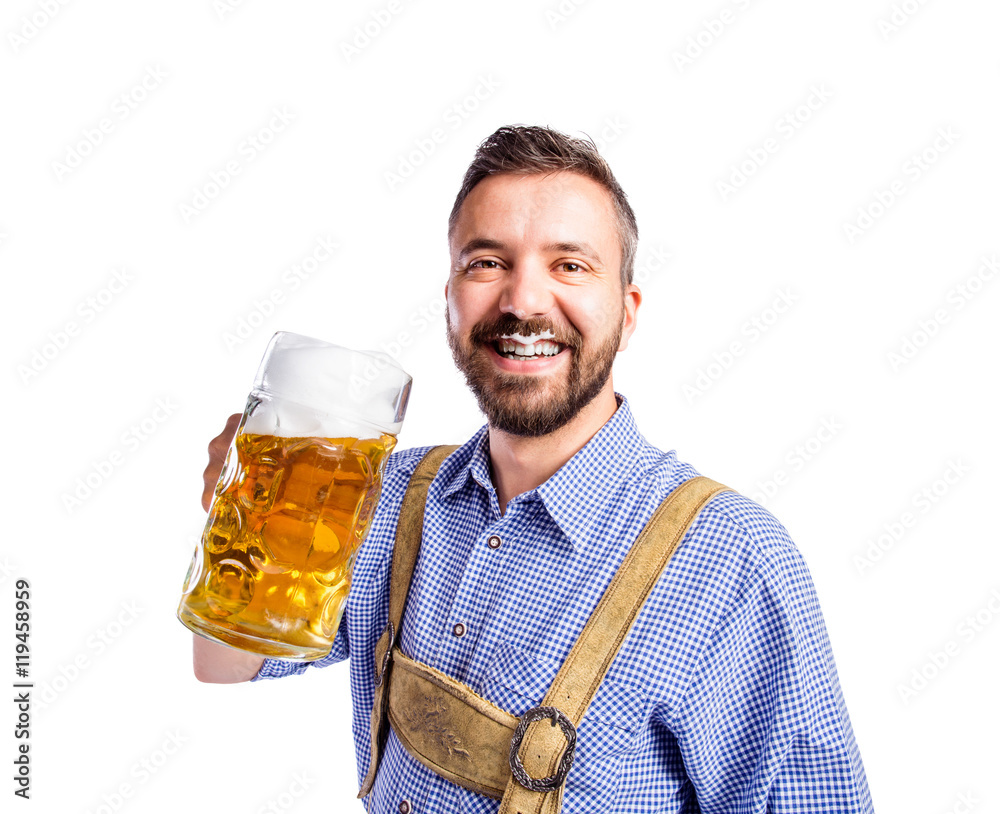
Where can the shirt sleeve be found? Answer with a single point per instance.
(279, 668)
(764, 728)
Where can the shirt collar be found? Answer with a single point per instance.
(474, 464)
(578, 496)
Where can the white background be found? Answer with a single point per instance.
(114, 687)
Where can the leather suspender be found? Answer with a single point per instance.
(588, 662)
(409, 532)
(450, 729)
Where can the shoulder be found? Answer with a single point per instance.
(396, 477)
(374, 555)
(729, 521)
(400, 466)
(763, 540)
(736, 583)
(754, 587)
(736, 554)
(761, 530)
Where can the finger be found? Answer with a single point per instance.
(217, 449)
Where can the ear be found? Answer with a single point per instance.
(633, 299)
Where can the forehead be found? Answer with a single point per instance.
(560, 206)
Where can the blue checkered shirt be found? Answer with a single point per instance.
(723, 698)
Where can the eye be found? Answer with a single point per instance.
(484, 264)
(571, 267)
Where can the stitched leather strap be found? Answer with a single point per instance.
(464, 738)
(449, 728)
(409, 531)
(577, 681)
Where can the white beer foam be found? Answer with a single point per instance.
(316, 384)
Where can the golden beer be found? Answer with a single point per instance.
(273, 570)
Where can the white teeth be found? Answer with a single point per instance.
(541, 347)
(529, 340)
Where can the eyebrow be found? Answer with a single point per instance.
(576, 248)
(480, 243)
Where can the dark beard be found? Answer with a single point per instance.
(516, 404)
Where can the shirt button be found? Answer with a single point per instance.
(494, 542)
(458, 630)
(405, 807)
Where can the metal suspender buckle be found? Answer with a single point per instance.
(517, 767)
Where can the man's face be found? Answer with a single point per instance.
(536, 310)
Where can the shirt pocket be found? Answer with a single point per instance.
(517, 681)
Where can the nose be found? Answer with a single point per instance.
(527, 291)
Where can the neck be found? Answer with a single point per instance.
(520, 464)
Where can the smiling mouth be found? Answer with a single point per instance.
(525, 348)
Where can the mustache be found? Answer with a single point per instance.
(488, 331)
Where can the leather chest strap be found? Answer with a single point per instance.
(577, 681)
(450, 729)
(466, 739)
(409, 531)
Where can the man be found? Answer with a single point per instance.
(724, 696)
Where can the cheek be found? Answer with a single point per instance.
(454, 310)
(596, 314)
(468, 305)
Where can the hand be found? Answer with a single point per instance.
(218, 664)
(217, 449)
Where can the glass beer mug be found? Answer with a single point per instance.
(295, 497)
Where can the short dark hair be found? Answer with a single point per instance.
(529, 150)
